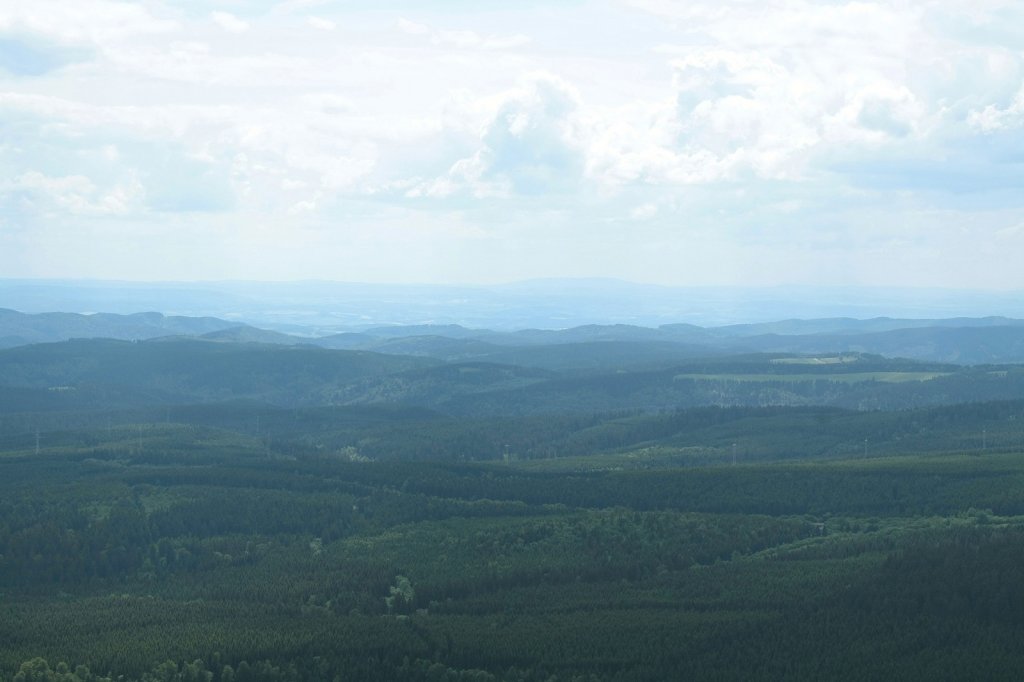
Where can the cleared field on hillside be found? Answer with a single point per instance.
(849, 378)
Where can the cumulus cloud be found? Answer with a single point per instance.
(782, 90)
(90, 160)
(530, 145)
(77, 194)
(993, 118)
(727, 122)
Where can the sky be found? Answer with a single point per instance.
(746, 142)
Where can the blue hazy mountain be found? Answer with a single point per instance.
(18, 329)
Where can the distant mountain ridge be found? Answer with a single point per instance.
(967, 341)
(19, 329)
(958, 340)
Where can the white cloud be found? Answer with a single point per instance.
(302, 207)
(78, 195)
(229, 22)
(412, 28)
(781, 90)
(993, 118)
(644, 212)
(321, 24)
(77, 21)
(471, 39)
(531, 144)
(1013, 232)
(717, 124)
(190, 61)
(464, 39)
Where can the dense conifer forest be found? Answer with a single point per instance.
(200, 510)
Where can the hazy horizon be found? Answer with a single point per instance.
(540, 303)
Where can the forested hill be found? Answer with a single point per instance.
(194, 371)
(601, 378)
